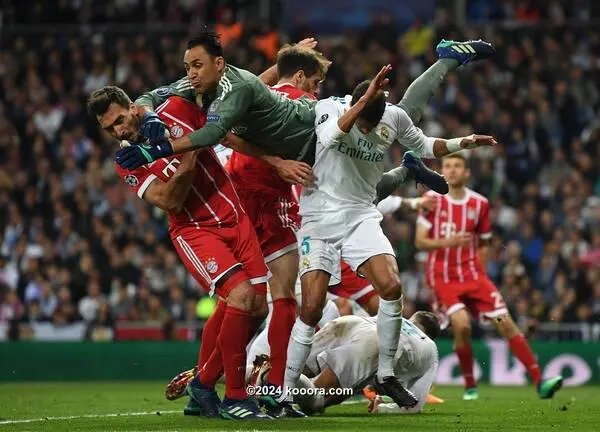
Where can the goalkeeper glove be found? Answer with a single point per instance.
(153, 127)
(139, 154)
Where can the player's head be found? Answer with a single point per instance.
(304, 68)
(456, 170)
(427, 322)
(203, 61)
(371, 115)
(115, 112)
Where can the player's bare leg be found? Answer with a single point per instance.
(314, 296)
(371, 306)
(461, 328)
(382, 272)
(507, 328)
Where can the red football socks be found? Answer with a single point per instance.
(210, 332)
(465, 360)
(521, 350)
(236, 331)
(280, 328)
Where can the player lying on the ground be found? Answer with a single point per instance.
(339, 219)
(457, 234)
(212, 235)
(345, 354)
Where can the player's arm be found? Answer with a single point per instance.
(294, 172)
(394, 203)
(182, 87)
(424, 242)
(484, 231)
(171, 195)
(426, 147)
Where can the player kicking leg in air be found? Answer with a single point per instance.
(456, 234)
(212, 235)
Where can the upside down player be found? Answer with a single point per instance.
(457, 233)
(212, 235)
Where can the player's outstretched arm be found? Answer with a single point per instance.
(347, 120)
(182, 87)
(291, 171)
(223, 114)
(413, 138)
(394, 203)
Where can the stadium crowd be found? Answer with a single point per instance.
(70, 249)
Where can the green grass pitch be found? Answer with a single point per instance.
(135, 406)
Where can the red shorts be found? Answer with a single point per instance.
(480, 297)
(274, 214)
(209, 253)
(353, 287)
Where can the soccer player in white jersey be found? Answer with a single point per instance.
(345, 355)
(341, 221)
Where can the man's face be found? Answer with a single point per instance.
(120, 122)
(203, 70)
(456, 172)
(310, 84)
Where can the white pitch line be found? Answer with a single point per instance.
(89, 416)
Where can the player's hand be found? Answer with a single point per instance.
(461, 239)
(426, 203)
(136, 155)
(309, 43)
(474, 141)
(295, 172)
(153, 127)
(378, 83)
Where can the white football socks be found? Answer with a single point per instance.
(297, 354)
(389, 325)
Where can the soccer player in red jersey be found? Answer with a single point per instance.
(456, 233)
(212, 235)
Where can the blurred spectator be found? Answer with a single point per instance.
(67, 241)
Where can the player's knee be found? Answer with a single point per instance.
(390, 288)
(506, 326)
(260, 308)
(462, 331)
(311, 311)
(242, 297)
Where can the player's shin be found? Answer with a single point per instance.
(521, 350)
(297, 354)
(235, 334)
(389, 325)
(280, 329)
(210, 332)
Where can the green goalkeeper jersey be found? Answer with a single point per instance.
(244, 105)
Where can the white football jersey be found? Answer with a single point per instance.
(349, 166)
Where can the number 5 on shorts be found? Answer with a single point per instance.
(305, 245)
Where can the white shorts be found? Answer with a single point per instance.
(352, 234)
(349, 346)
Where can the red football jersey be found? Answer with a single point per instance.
(212, 200)
(468, 215)
(250, 171)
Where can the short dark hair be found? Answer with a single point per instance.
(209, 40)
(99, 100)
(373, 111)
(291, 59)
(428, 322)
